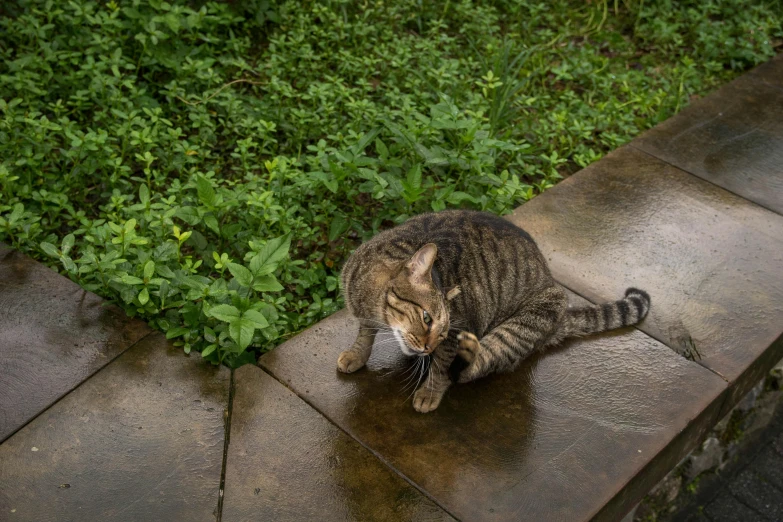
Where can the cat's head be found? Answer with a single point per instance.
(415, 307)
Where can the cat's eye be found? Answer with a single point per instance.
(427, 318)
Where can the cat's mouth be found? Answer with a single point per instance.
(410, 350)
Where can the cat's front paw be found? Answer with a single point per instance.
(426, 399)
(468, 346)
(349, 361)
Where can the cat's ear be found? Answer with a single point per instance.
(420, 265)
(452, 292)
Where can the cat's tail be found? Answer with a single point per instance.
(600, 318)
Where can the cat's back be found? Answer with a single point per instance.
(465, 229)
(468, 227)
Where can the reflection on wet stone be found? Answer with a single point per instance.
(733, 138)
(54, 335)
(286, 462)
(710, 260)
(130, 443)
(555, 440)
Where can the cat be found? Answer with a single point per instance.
(468, 288)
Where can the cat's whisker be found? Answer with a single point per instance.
(409, 381)
(439, 371)
(424, 369)
(397, 370)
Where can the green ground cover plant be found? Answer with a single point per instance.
(208, 166)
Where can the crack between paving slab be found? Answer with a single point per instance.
(226, 441)
(377, 455)
(78, 385)
(682, 169)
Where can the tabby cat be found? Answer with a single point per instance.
(469, 286)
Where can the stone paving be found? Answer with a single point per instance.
(101, 419)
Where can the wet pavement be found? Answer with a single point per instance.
(53, 335)
(733, 138)
(141, 440)
(558, 439)
(711, 261)
(287, 462)
(102, 420)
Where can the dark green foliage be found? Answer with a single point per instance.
(210, 165)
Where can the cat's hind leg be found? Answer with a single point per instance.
(504, 347)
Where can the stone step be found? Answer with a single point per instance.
(141, 440)
(733, 138)
(286, 462)
(582, 431)
(53, 336)
(711, 261)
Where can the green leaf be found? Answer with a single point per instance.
(256, 318)
(209, 335)
(172, 333)
(68, 264)
(266, 283)
(241, 331)
(414, 176)
(270, 255)
(130, 280)
(208, 350)
(144, 194)
(149, 269)
(211, 221)
(130, 225)
(67, 244)
(50, 249)
(189, 215)
(328, 180)
(224, 312)
(243, 276)
(144, 296)
(16, 213)
(164, 271)
(455, 198)
(338, 226)
(206, 194)
(383, 151)
(365, 140)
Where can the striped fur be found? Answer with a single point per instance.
(502, 305)
(600, 318)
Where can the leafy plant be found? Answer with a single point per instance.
(209, 166)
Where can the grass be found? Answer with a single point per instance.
(209, 166)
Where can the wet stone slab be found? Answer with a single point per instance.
(140, 440)
(287, 462)
(733, 138)
(711, 261)
(53, 335)
(584, 430)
